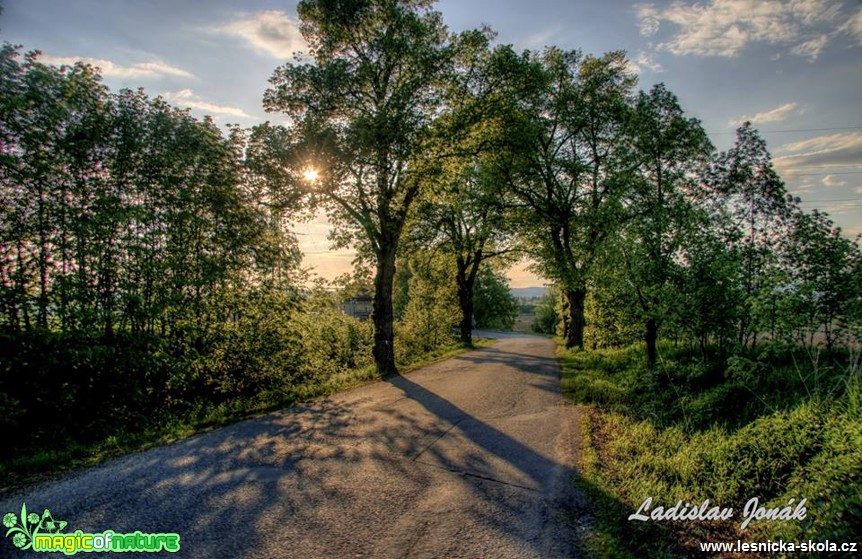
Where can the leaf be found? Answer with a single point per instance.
(25, 530)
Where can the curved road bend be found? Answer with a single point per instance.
(469, 458)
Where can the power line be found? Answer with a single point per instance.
(825, 166)
(790, 130)
(790, 171)
(828, 201)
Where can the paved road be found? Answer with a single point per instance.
(470, 457)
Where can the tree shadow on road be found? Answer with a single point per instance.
(401, 472)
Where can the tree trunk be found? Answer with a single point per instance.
(651, 337)
(465, 302)
(467, 271)
(383, 315)
(575, 299)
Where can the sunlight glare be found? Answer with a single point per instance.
(310, 174)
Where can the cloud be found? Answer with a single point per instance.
(811, 49)
(153, 69)
(725, 27)
(775, 115)
(843, 150)
(648, 17)
(831, 181)
(644, 61)
(540, 39)
(853, 26)
(271, 32)
(188, 98)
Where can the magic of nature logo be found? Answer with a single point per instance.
(44, 534)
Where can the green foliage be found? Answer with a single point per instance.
(432, 310)
(755, 428)
(826, 280)
(563, 165)
(495, 306)
(362, 106)
(330, 342)
(547, 313)
(610, 321)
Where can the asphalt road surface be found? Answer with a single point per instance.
(471, 457)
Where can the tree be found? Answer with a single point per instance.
(825, 272)
(756, 209)
(566, 128)
(496, 307)
(365, 106)
(668, 152)
(462, 220)
(463, 214)
(53, 122)
(432, 304)
(547, 316)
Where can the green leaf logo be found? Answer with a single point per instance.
(24, 528)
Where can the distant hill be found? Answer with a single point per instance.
(528, 292)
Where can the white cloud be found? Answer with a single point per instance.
(725, 27)
(853, 26)
(811, 49)
(271, 32)
(648, 17)
(775, 115)
(153, 69)
(843, 150)
(831, 181)
(645, 61)
(188, 98)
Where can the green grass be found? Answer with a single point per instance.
(37, 465)
(771, 426)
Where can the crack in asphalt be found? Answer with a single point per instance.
(435, 441)
(466, 473)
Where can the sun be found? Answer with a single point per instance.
(310, 174)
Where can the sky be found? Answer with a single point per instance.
(791, 67)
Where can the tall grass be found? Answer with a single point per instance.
(773, 425)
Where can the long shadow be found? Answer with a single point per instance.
(540, 469)
(264, 484)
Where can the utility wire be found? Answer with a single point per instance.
(790, 171)
(829, 201)
(791, 130)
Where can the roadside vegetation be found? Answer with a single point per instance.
(773, 424)
(71, 401)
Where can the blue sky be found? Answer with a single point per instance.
(793, 67)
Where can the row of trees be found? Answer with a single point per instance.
(148, 272)
(618, 195)
(119, 211)
(123, 214)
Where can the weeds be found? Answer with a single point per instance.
(773, 426)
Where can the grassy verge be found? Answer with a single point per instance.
(769, 425)
(31, 467)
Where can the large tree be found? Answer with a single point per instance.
(366, 101)
(463, 220)
(562, 166)
(667, 152)
(463, 211)
(756, 212)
